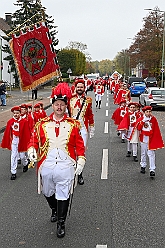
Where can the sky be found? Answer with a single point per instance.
(103, 25)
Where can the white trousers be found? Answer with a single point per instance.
(98, 97)
(14, 155)
(132, 147)
(123, 134)
(151, 156)
(57, 181)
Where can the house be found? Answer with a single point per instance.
(4, 65)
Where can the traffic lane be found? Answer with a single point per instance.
(138, 202)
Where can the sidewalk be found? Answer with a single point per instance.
(17, 98)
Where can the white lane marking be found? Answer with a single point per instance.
(107, 99)
(104, 172)
(106, 112)
(106, 127)
(107, 104)
(101, 246)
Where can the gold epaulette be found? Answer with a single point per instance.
(89, 99)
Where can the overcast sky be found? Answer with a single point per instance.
(103, 25)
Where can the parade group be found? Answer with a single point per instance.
(57, 143)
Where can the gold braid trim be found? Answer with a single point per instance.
(43, 150)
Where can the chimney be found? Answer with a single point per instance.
(8, 18)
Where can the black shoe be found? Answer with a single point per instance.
(142, 170)
(80, 179)
(19, 161)
(53, 216)
(25, 168)
(128, 154)
(152, 174)
(13, 176)
(123, 141)
(135, 159)
(60, 228)
(118, 133)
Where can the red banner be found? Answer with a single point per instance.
(34, 57)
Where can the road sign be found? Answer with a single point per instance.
(162, 70)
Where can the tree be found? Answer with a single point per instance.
(28, 8)
(72, 58)
(147, 46)
(105, 67)
(122, 62)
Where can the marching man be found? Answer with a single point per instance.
(80, 108)
(99, 92)
(59, 148)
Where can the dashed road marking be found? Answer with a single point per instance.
(106, 127)
(104, 171)
(106, 104)
(101, 246)
(106, 112)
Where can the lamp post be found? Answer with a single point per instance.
(162, 69)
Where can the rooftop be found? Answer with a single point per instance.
(3, 25)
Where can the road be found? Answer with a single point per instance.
(117, 207)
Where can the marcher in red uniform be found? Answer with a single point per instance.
(58, 145)
(122, 93)
(16, 138)
(80, 108)
(37, 114)
(118, 115)
(42, 111)
(99, 92)
(150, 139)
(128, 124)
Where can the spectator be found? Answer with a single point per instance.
(3, 93)
(34, 93)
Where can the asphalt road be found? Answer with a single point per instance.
(125, 210)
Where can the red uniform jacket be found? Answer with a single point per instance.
(126, 122)
(69, 138)
(118, 114)
(24, 135)
(86, 112)
(155, 137)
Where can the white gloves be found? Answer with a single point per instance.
(32, 154)
(80, 165)
(79, 169)
(91, 131)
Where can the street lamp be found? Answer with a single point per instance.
(162, 69)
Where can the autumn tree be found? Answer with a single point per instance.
(147, 46)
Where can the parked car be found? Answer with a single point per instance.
(134, 79)
(153, 96)
(151, 82)
(137, 88)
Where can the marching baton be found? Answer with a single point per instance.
(71, 198)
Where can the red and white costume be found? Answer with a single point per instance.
(86, 116)
(16, 138)
(128, 124)
(58, 144)
(150, 139)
